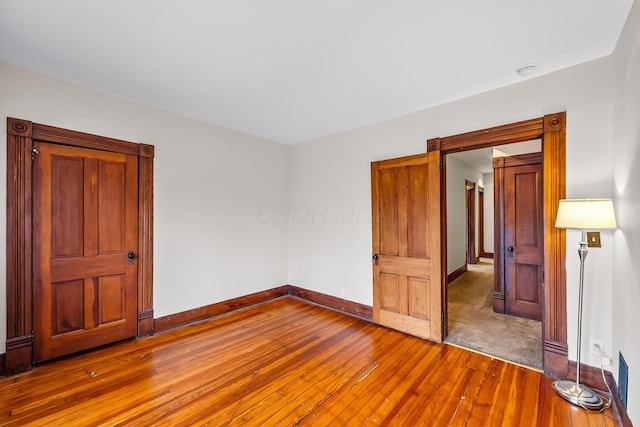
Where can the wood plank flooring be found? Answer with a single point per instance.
(285, 363)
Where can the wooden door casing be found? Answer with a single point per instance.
(551, 128)
(406, 245)
(85, 210)
(481, 233)
(21, 135)
(518, 181)
(470, 192)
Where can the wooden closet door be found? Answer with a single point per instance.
(85, 211)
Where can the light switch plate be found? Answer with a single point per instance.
(593, 239)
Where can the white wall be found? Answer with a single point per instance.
(488, 212)
(333, 173)
(457, 173)
(625, 284)
(210, 186)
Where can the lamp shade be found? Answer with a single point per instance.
(586, 214)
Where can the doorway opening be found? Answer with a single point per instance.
(551, 128)
(474, 320)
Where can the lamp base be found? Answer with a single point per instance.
(579, 394)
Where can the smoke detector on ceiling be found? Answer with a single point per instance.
(527, 70)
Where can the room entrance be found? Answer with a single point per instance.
(551, 130)
(473, 286)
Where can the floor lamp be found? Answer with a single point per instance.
(583, 214)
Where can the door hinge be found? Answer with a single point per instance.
(441, 165)
(34, 153)
(442, 317)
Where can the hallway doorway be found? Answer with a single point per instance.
(471, 289)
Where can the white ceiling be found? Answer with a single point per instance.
(295, 70)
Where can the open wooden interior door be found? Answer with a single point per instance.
(407, 270)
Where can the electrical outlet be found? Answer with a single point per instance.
(594, 344)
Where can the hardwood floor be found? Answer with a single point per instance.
(285, 362)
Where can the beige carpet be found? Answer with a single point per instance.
(474, 325)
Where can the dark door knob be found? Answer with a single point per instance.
(131, 256)
(510, 250)
(375, 258)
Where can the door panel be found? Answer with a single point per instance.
(527, 280)
(85, 222)
(111, 222)
(406, 206)
(68, 306)
(523, 240)
(67, 215)
(418, 300)
(390, 292)
(418, 233)
(111, 299)
(388, 211)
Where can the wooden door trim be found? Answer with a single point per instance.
(470, 193)
(20, 137)
(481, 252)
(551, 129)
(517, 160)
(498, 236)
(481, 232)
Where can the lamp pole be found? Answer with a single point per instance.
(583, 215)
(577, 393)
(582, 253)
